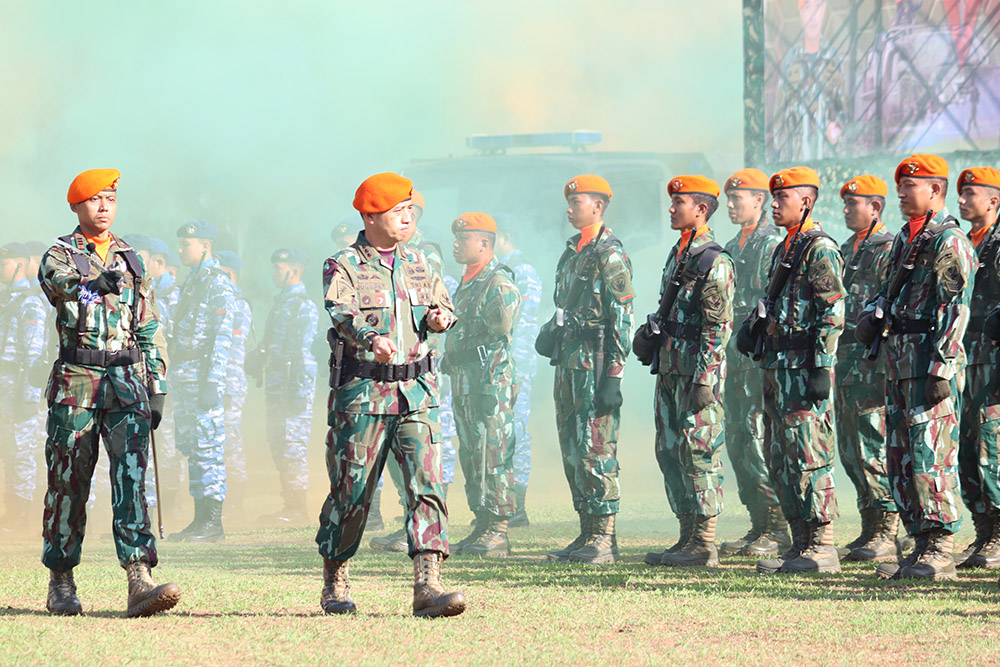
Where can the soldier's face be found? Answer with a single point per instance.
(97, 214)
(392, 227)
(144, 255)
(281, 274)
(743, 207)
(582, 210)
(468, 248)
(858, 212)
(9, 268)
(915, 195)
(192, 251)
(812, 14)
(684, 213)
(976, 203)
(157, 266)
(233, 276)
(787, 207)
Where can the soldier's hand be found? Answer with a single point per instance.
(701, 397)
(156, 410)
(936, 390)
(644, 344)
(992, 326)
(608, 397)
(744, 341)
(818, 384)
(209, 397)
(106, 283)
(383, 348)
(865, 331)
(438, 319)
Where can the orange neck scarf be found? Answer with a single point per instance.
(916, 225)
(977, 235)
(857, 237)
(588, 234)
(473, 270)
(101, 245)
(746, 233)
(792, 231)
(688, 236)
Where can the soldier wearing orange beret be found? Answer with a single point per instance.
(979, 435)
(920, 313)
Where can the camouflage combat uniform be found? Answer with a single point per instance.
(368, 418)
(234, 393)
(99, 398)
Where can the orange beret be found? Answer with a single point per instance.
(988, 177)
(381, 192)
(90, 182)
(922, 165)
(418, 199)
(587, 184)
(793, 178)
(474, 222)
(865, 185)
(747, 179)
(692, 185)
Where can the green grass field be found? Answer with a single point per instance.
(255, 598)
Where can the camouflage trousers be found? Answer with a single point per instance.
(589, 444)
(522, 412)
(978, 455)
(861, 442)
(201, 437)
(19, 425)
(235, 456)
(288, 439)
(799, 443)
(356, 450)
(745, 439)
(922, 455)
(486, 450)
(688, 447)
(448, 433)
(71, 453)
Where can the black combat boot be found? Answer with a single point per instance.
(62, 599)
(200, 510)
(700, 549)
(800, 539)
(430, 599)
(562, 555)
(819, 555)
(374, 520)
(600, 546)
(335, 597)
(774, 540)
(869, 519)
(520, 519)
(881, 547)
(492, 542)
(984, 528)
(210, 529)
(758, 524)
(145, 598)
(936, 562)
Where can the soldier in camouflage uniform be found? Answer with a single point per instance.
(201, 338)
(385, 302)
(588, 341)
(798, 354)
(978, 458)
(108, 384)
(695, 321)
(860, 398)
(751, 250)
(924, 353)
(529, 284)
(234, 393)
(289, 379)
(477, 357)
(22, 340)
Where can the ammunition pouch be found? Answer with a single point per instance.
(548, 339)
(905, 326)
(100, 358)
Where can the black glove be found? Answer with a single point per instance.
(644, 344)
(209, 397)
(936, 390)
(992, 326)
(156, 410)
(818, 385)
(744, 341)
(106, 283)
(545, 343)
(608, 397)
(701, 397)
(865, 331)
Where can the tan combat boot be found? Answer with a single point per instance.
(758, 524)
(686, 523)
(430, 599)
(984, 527)
(492, 541)
(600, 546)
(891, 570)
(335, 597)
(819, 555)
(145, 598)
(700, 549)
(869, 521)
(881, 547)
(562, 555)
(773, 540)
(62, 598)
(936, 562)
(479, 525)
(988, 555)
(799, 542)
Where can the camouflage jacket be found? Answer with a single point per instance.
(487, 308)
(236, 377)
(22, 327)
(752, 262)
(861, 280)
(201, 334)
(419, 243)
(364, 296)
(985, 295)
(166, 291)
(939, 291)
(605, 301)
(700, 321)
(529, 285)
(810, 310)
(107, 325)
(291, 327)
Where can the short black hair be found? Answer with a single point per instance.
(710, 202)
(601, 197)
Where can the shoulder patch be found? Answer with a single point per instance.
(949, 271)
(618, 278)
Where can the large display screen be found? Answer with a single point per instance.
(844, 78)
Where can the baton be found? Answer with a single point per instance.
(156, 482)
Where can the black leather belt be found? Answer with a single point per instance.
(904, 326)
(682, 331)
(354, 368)
(102, 358)
(788, 342)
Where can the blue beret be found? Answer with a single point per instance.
(291, 255)
(229, 259)
(158, 246)
(15, 250)
(137, 241)
(197, 229)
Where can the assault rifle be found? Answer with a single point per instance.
(653, 333)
